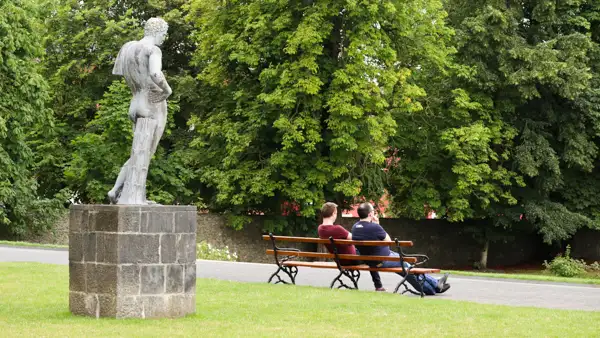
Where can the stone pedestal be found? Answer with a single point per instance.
(128, 261)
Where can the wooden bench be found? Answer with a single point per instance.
(287, 266)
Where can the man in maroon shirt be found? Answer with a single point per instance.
(329, 229)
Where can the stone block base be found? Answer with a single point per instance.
(132, 261)
(142, 306)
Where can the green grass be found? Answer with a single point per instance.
(34, 303)
(37, 245)
(535, 275)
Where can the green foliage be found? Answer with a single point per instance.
(511, 129)
(23, 93)
(302, 96)
(565, 266)
(484, 109)
(82, 41)
(208, 252)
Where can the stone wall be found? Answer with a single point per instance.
(58, 235)
(586, 245)
(449, 246)
(247, 243)
(445, 243)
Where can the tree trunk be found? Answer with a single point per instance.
(339, 215)
(134, 188)
(484, 255)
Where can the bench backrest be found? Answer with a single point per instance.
(337, 241)
(322, 255)
(343, 257)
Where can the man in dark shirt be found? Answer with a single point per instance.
(368, 229)
(330, 229)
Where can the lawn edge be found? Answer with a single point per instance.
(30, 245)
(541, 278)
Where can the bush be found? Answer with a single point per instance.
(207, 251)
(565, 266)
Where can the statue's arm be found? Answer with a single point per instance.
(156, 74)
(120, 61)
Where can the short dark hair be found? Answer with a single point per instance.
(328, 209)
(364, 209)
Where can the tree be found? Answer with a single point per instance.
(516, 123)
(23, 94)
(93, 135)
(301, 95)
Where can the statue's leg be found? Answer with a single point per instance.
(161, 118)
(134, 188)
(113, 194)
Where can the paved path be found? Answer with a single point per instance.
(481, 290)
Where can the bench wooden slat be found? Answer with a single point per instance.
(336, 241)
(361, 267)
(341, 256)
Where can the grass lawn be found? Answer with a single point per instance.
(37, 245)
(531, 275)
(34, 303)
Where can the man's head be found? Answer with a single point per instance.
(365, 210)
(157, 29)
(329, 210)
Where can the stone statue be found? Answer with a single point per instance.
(140, 62)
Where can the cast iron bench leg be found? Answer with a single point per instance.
(290, 271)
(420, 279)
(353, 275)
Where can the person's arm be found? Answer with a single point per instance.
(342, 233)
(381, 234)
(375, 219)
(156, 74)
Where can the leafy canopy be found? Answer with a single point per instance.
(23, 93)
(302, 96)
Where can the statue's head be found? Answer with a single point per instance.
(157, 29)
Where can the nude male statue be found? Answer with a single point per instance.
(140, 62)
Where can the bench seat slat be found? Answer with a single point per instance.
(362, 267)
(336, 241)
(341, 256)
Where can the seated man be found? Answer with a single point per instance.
(329, 229)
(368, 229)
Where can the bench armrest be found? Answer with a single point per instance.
(421, 259)
(285, 258)
(289, 249)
